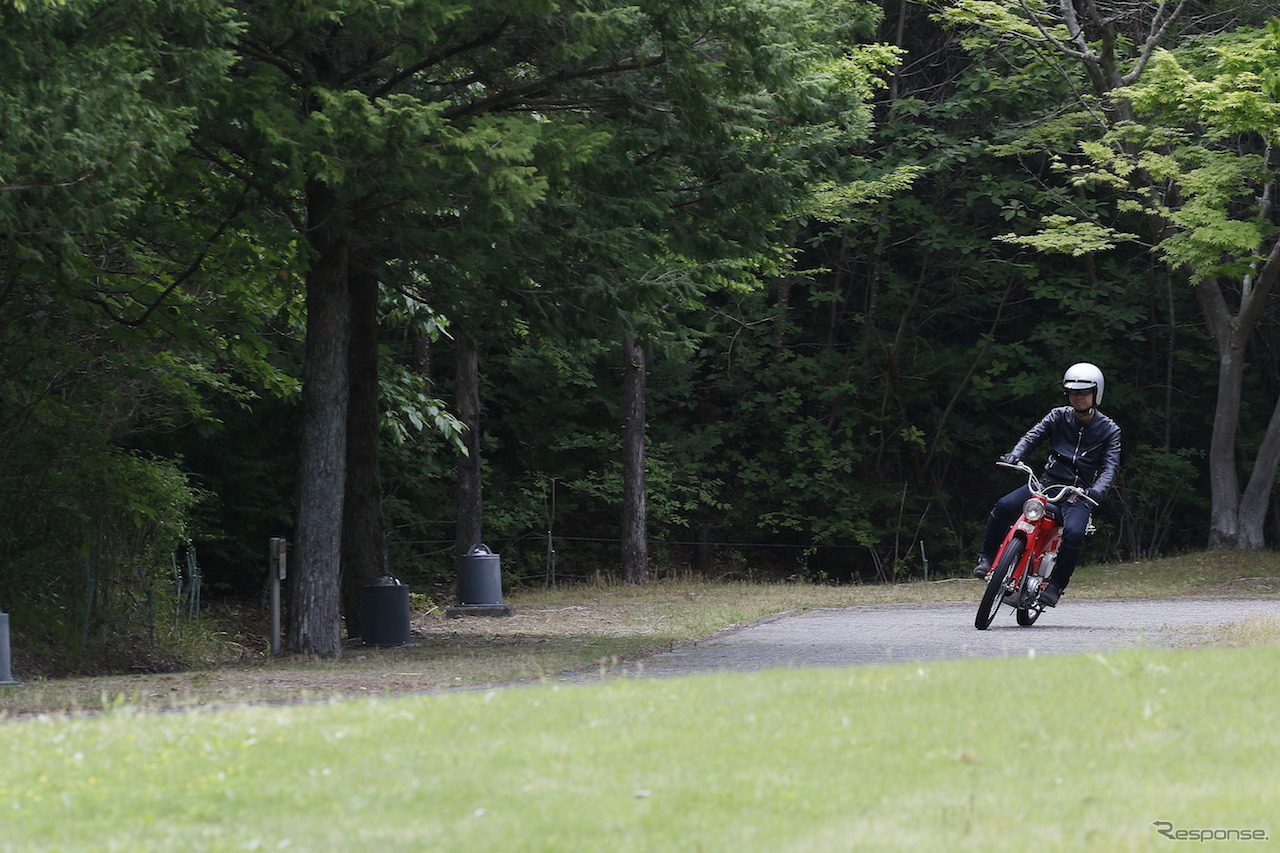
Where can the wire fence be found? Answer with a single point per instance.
(704, 557)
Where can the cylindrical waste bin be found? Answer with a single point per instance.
(384, 612)
(480, 577)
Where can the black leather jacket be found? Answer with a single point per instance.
(1085, 455)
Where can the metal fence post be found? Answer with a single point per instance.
(6, 677)
(276, 568)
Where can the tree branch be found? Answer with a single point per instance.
(563, 76)
(44, 185)
(1082, 51)
(1254, 301)
(435, 59)
(1216, 313)
(270, 57)
(1156, 35)
(181, 279)
(282, 203)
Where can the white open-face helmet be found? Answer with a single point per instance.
(1084, 377)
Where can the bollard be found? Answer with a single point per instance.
(6, 677)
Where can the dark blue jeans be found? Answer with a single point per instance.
(1075, 518)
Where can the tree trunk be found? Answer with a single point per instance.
(470, 499)
(635, 540)
(1236, 521)
(1224, 484)
(1257, 494)
(314, 624)
(364, 541)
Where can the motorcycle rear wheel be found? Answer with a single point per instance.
(1027, 616)
(993, 595)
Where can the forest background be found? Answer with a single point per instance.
(756, 289)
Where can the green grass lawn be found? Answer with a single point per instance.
(1067, 753)
(1052, 753)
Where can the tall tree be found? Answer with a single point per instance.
(364, 536)
(635, 516)
(470, 527)
(331, 127)
(1206, 144)
(1180, 127)
(314, 625)
(410, 129)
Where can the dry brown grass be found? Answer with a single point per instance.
(583, 626)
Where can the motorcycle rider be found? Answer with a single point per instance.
(1084, 450)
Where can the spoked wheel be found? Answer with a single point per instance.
(994, 593)
(1027, 616)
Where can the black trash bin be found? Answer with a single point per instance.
(480, 577)
(384, 612)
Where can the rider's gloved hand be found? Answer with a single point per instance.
(1094, 495)
(1010, 459)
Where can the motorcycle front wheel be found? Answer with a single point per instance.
(1027, 616)
(993, 595)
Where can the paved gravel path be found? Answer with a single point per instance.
(898, 633)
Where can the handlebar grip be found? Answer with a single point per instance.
(1082, 492)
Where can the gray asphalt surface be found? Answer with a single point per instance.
(900, 633)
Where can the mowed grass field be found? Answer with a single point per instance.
(1053, 753)
(1140, 750)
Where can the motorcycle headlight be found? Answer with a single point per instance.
(1033, 510)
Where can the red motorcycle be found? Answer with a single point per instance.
(1025, 559)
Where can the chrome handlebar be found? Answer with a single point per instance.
(1053, 492)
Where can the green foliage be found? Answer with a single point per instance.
(1178, 142)
(1157, 484)
(850, 302)
(98, 97)
(89, 538)
(1193, 156)
(112, 329)
(1070, 235)
(1209, 102)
